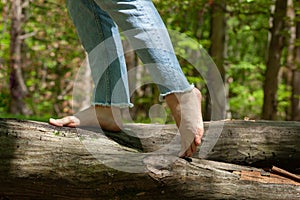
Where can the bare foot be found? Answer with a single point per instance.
(109, 118)
(186, 110)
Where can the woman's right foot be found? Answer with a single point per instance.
(108, 118)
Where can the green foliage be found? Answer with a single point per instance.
(52, 55)
(247, 29)
(190, 17)
(284, 95)
(245, 86)
(4, 55)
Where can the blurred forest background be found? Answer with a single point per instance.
(254, 43)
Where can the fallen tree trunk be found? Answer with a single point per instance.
(255, 143)
(39, 161)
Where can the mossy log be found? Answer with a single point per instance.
(40, 161)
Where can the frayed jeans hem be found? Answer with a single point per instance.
(119, 105)
(190, 88)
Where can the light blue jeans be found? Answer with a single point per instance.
(97, 23)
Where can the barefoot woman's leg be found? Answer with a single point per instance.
(100, 37)
(147, 34)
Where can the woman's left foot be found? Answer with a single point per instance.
(186, 110)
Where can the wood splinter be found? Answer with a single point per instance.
(285, 173)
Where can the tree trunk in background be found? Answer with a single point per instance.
(18, 88)
(273, 62)
(296, 77)
(217, 48)
(286, 72)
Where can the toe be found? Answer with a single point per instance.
(55, 122)
(189, 152)
(194, 147)
(197, 140)
(198, 136)
(70, 121)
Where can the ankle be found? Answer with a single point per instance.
(109, 117)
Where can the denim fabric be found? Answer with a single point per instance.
(97, 23)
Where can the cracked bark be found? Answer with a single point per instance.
(39, 161)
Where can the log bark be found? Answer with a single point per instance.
(39, 161)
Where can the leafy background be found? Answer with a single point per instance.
(52, 55)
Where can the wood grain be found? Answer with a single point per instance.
(39, 161)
